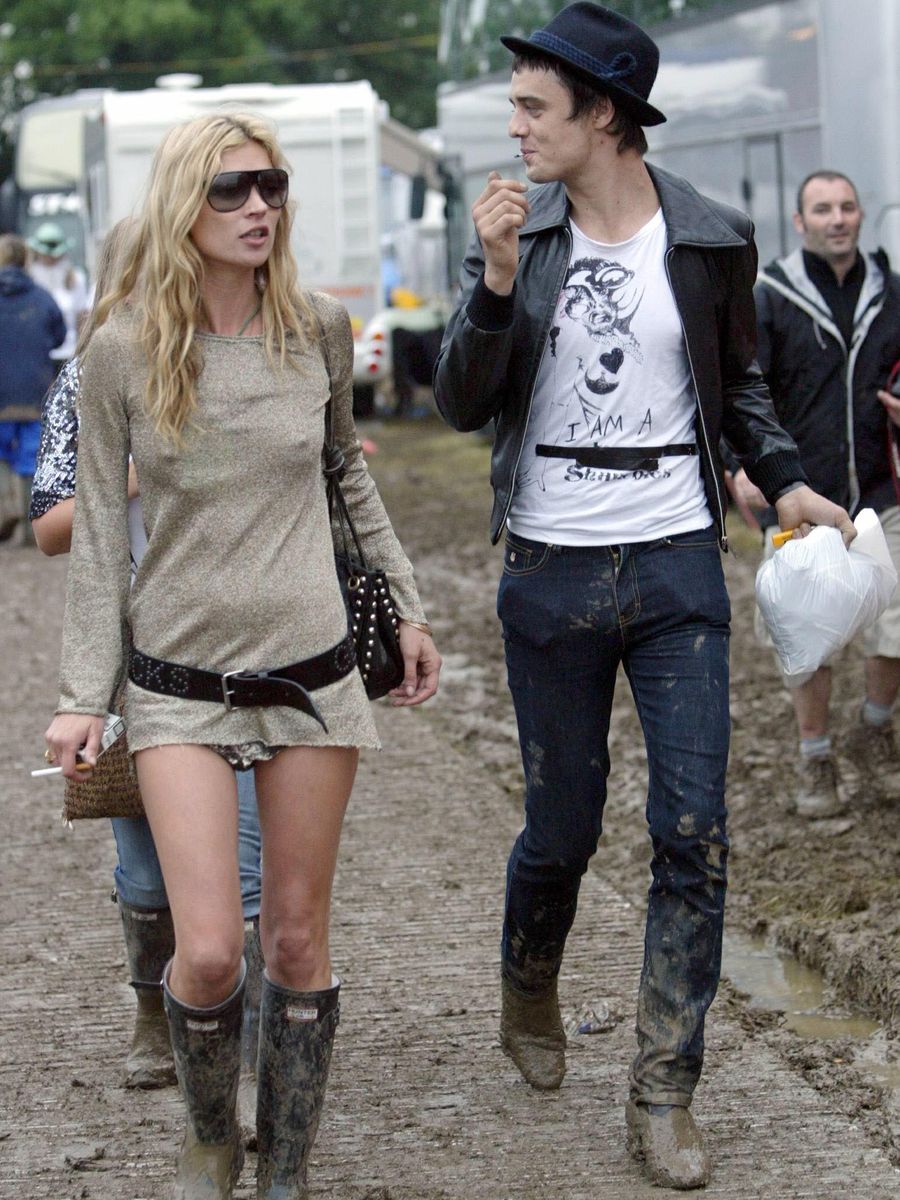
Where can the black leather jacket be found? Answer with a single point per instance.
(493, 344)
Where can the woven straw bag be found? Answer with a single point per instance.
(111, 791)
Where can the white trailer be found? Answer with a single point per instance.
(757, 95)
(84, 159)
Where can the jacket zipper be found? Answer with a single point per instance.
(559, 280)
(723, 540)
(851, 354)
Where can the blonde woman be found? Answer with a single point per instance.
(139, 888)
(214, 381)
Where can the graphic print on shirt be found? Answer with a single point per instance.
(614, 374)
(598, 303)
(602, 297)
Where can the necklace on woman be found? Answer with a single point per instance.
(251, 318)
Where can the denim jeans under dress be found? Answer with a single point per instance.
(138, 874)
(570, 616)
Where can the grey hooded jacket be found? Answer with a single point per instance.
(825, 392)
(493, 344)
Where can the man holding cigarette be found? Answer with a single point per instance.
(606, 324)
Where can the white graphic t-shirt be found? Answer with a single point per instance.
(615, 373)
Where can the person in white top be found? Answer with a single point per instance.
(53, 269)
(606, 325)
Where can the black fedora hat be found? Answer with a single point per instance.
(603, 48)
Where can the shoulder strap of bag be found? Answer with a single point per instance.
(333, 464)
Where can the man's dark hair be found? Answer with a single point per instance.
(828, 176)
(585, 97)
(13, 251)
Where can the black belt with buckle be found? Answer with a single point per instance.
(288, 686)
(618, 458)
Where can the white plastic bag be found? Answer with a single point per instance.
(815, 595)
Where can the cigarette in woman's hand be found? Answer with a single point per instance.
(81, 766)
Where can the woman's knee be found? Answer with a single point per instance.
(295, 949)
(211, 963)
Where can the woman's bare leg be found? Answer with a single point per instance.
(302, 795)
(190, 797)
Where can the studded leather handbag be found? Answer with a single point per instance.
(371, 615)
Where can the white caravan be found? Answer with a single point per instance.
(83, 160)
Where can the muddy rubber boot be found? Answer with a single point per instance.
(532, 1034)
(26, 533)
(149, 944)
(207, 1045)
(665, 1139)
(9, 502)
(250, 1032)
(296, 1033)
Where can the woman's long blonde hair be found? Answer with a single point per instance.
(112, 253)
(163, 270)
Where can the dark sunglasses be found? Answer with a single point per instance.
(229, 190)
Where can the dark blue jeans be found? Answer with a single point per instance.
(570, 616)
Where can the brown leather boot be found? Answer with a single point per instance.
(665, 1139)
(532, 1035)
(873, 751)
(817, 789)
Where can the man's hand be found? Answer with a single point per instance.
(746, 492)
(891, 404)
(803, 508)
(499, 213)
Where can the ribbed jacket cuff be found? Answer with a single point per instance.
(775, 472)
(488, 311)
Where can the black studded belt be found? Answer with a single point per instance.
(288, 686)
(618, 458)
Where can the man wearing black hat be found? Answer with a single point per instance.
(606, 324)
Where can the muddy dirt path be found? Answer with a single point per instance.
(423, 1106)
(823, 892)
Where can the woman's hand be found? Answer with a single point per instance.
(423, 666)
(72, 734)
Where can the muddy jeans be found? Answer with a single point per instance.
(570, 616)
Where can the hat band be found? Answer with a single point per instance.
(623, 65)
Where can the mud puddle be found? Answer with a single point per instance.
(776, 981)
(780, 983)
